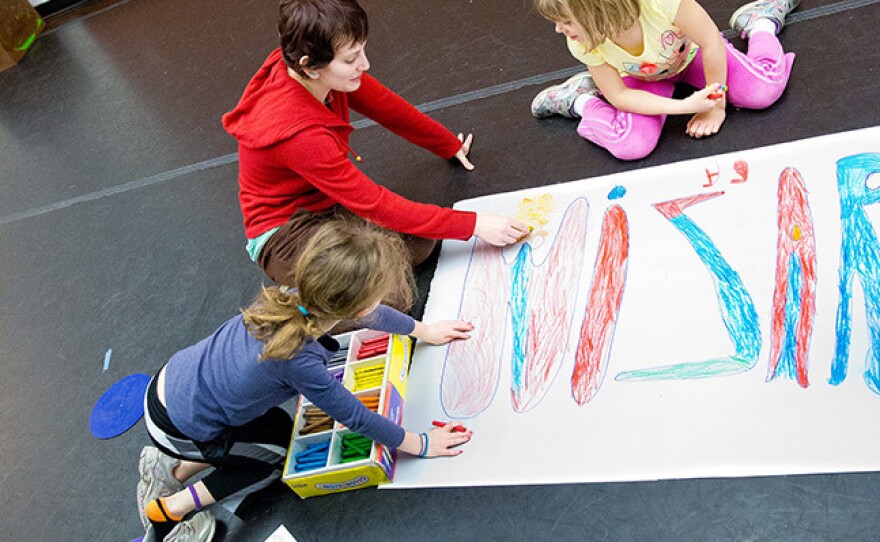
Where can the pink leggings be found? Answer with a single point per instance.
(755, 81)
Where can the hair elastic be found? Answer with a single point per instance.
(195, 496)
(424, 450)
(302, 310)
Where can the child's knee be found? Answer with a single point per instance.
(628, 137)
(759, 98)
(634, 150)
(767, 91)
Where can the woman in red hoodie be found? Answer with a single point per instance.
(292, 127)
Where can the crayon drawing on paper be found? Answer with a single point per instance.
(697, 319)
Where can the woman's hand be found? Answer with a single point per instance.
(499, 230)
(440, 441)
(462, 153)
(443, 331)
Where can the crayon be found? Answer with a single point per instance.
(310, 455)
(531, 229)
(352, 459)
(375, 340)
(364, 354)
(301, 468)
(316, 428)
(368, 350)
(370, 371)
(320, 459)
(355, 437)
(358, 453)
(457, 429)
(718, 95)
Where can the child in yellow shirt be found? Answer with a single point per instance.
(637, 50)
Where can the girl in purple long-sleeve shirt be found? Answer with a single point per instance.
(216, 402)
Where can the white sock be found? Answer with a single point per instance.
(763, 25)
(578, 106)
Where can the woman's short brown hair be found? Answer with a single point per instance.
(317, 29)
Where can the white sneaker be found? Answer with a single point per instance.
(743, 18)
(156, 479)
(200, 528)
(558, 99)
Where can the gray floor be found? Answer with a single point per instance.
(119, 228)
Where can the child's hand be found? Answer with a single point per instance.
(499, 230)
(464, 150)
(706, 124)
(442, 440)
(443, 331)
(700, 101)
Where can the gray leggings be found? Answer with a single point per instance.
(246, 458)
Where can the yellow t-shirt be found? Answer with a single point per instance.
(666, 52)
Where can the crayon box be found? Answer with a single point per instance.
(326, 457)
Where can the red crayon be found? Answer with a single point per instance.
(457, 429)
(375, 340)
(718, 95)
(370, 352)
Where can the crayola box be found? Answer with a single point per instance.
(326, 457)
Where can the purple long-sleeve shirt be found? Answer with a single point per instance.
(218, 382)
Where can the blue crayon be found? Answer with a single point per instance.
(319, 446)
(310, 455)
(312, 461)
(308, 466)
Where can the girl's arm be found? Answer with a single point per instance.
(696, 24)
(385, 318)
(642, 102)
(442, 332)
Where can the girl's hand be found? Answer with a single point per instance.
(442, 440)
(700, 102)
(462, 153)
(499, 230)
(443, 331)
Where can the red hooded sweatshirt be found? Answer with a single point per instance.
(293, 154)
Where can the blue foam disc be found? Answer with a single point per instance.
(120, 407)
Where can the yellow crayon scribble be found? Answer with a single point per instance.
(536, 213)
